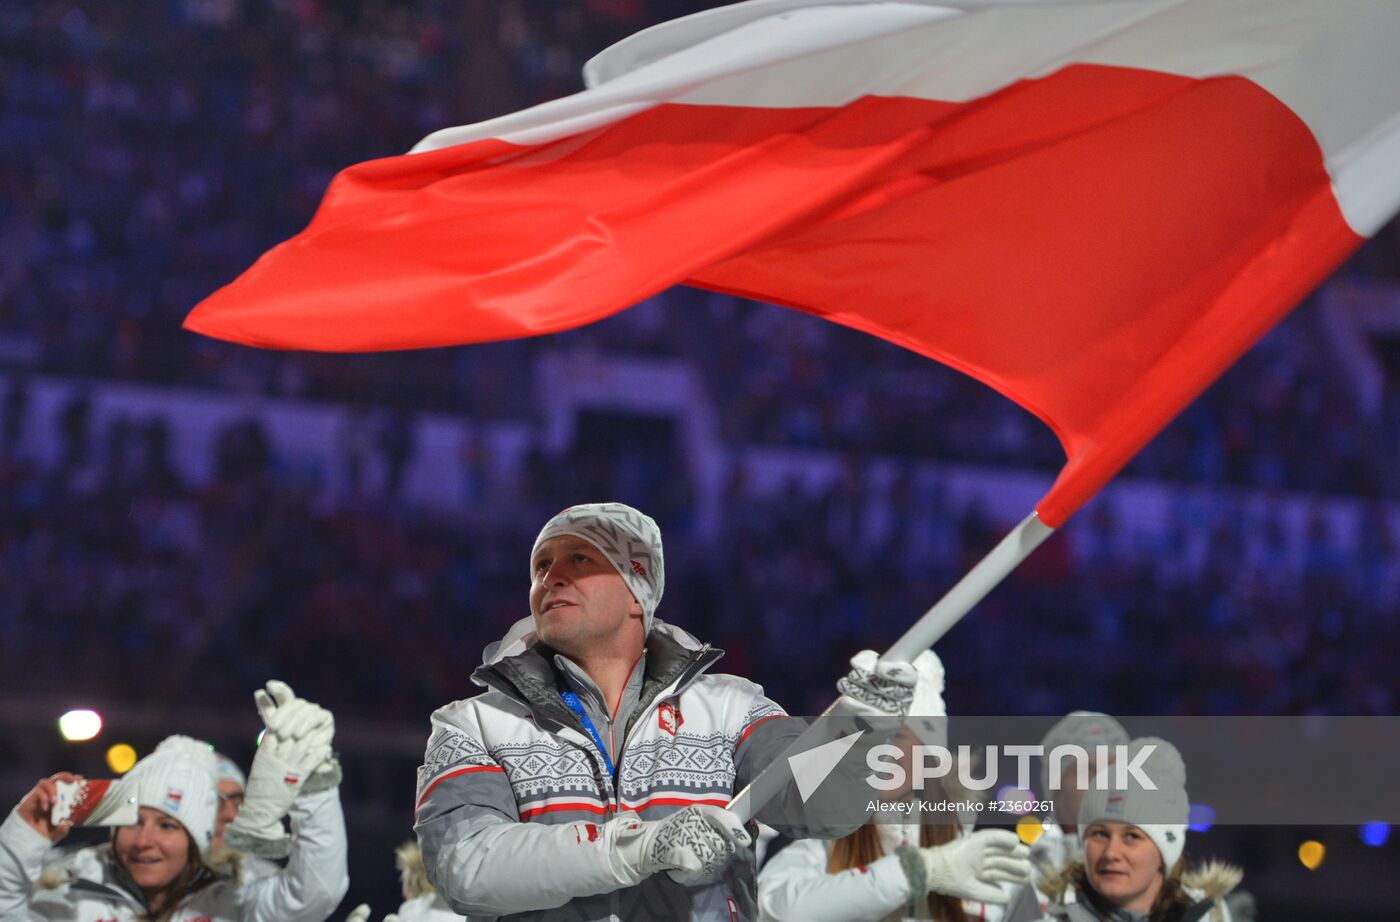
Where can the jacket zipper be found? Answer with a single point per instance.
(691, 673)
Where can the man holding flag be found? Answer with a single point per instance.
(592, 775)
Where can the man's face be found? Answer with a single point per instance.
(230, 799)
(580, 602)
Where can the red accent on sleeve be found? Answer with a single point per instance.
(454, 774)
(750, 728)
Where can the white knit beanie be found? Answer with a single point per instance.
(179, 779)
(1162, 814)
(225, 769)
(629, 539)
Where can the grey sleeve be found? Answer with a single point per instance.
(766, 734)
(483, 860)
(461, 791)
(765, 739)
(448, 823)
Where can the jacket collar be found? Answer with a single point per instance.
(522, 635)
(521, 666)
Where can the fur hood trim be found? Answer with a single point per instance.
(222, 862)
(1212, 880)
(409, 860)
(54, 877)
(226, 862)
(1054, 882)
(1209, 881)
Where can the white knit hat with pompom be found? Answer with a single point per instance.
(179, 779)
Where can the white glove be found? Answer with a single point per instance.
(361, 914)
(972, 866)
(692, 845)
(877, 687)
(297, 741)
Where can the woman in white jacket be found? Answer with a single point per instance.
(885, 872)
(155, 868)
(880, 874)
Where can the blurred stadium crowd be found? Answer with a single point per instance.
(150, 151)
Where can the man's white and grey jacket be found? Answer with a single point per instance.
(513, 792)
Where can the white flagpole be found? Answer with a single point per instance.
(972, 588)
(937, 621)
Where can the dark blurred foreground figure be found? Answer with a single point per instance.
(603, 752)
(421, 903)
(162, 867)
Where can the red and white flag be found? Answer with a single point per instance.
(1093, 206)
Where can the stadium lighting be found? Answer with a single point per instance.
(77, 726)
(1201, 817)
(1030, 828)
(120, 758)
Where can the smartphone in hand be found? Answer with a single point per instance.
(94, 802)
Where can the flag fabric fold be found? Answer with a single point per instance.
(1093, 206)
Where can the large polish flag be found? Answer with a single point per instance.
(1093, 206)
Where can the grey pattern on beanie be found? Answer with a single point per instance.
(629, 539)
